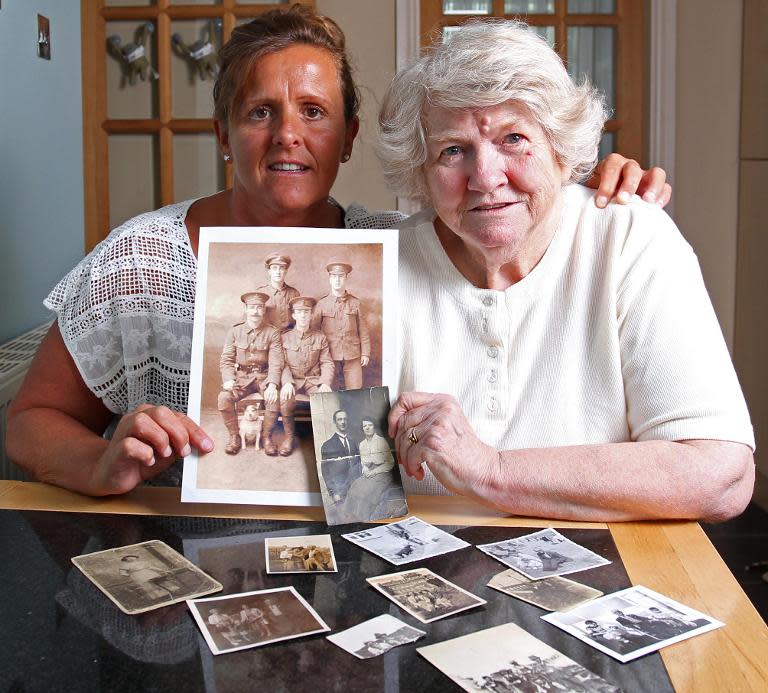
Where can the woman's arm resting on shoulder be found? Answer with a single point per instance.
(55, 424)
(620, 178)
(707, 480)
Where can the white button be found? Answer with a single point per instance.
(493, 352)
(492, 376)
(488, 300)
(492, 404)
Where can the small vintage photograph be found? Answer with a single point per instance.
(252, 619)
(543, 554)
(507, 658)
(375, 636)
(552, 594)
(280, 314)
(359, 474)
(43, 37)
(145, 576)
(406, 541)
(424, 595)
(632, 622)
(307, 554)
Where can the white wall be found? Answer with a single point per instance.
(41, 158)
(706, 185)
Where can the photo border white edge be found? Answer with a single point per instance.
(299, 572)
(387, 238)
(480, 600)
(648, 649)
(192, 604)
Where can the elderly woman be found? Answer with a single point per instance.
(580, 368)
(285, 118)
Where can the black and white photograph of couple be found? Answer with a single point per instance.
(359, 475)
(376, 636)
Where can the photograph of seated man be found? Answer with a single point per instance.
(280, 293)
(251, 361)
(340, 459)
(341, 319)
(308, 366)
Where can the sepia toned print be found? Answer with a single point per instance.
(252, 619)
(263, 343)
(507, 658)
(543, 554)
(307, 554)
(146, 576)
(424, 595)
(552, 594)
(359, 476)
(632, 622)
(375, 636)
(406, 541)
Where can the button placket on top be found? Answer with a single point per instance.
(492, 325)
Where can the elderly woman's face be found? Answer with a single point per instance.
(491, 173)
(288, 134)
(368, 428)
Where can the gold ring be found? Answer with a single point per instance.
(412, 436)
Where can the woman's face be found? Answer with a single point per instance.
(288, 134)
(368, 428)
(491, 173)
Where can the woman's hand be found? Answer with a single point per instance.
(618, 177)
(287, 391)
(146, 441)
(444, 440)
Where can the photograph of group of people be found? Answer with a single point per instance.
(279, 320)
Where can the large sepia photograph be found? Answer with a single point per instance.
(295, 312)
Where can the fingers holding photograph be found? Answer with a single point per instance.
(359, 475)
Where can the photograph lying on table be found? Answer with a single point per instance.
(359, 475)
(424, 595)
(507, 658)
(406, 541)
(543, 554)
(252, 619)
(375, 636)
(145, 576)
(304, 554)
(281, 314)
(632, 622)
(552, 594)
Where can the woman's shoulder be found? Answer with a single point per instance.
(358, 217)
(143, 236)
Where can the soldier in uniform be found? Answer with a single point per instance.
(308, 365)
(251, 361)
(340, 318)
(280, 294)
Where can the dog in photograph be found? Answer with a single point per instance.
(250, 426)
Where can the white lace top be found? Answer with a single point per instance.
(125, 311)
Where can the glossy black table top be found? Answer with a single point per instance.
(60, 633)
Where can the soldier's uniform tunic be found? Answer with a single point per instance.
(308, 362)
(279, 305)
(343, 324)
(253, 358)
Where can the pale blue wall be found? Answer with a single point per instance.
(41, 159)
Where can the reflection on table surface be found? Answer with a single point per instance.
(72, 637)
(49, 649)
